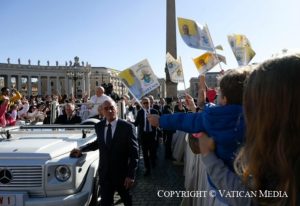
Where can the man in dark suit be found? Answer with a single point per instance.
(69, 116)
(99, 115)
(147, 134)
(117, 143)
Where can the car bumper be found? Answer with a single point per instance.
(78, 199)
(22, 199)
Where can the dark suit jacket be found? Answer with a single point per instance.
(140, 120)
(62, 119)
(120, 159)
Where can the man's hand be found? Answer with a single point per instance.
(128, 183)
(75, 153)
(153, 119)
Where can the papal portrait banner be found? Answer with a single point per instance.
(207, 61)
(175, 68)
(139, 79)
(195, 35)
(241, 48)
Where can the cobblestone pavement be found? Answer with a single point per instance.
(165, 176)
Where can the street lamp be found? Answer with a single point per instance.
(74, 74)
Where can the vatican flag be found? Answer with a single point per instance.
(241, 48)
(195, 35)
(207, 61)
(175, 68)
(139, 79)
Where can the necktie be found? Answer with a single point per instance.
(108, 135)
(147, 124)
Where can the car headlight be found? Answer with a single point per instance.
(62, 173)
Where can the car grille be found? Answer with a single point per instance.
(29, 176)
(24, 178)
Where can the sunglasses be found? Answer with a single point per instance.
(145, 102)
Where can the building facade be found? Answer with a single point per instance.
(72, 79)
(211, 81)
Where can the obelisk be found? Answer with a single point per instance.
(171, 45)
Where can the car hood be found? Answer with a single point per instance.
(36, 148)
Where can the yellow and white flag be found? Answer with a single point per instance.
(207, 61)
(139, 79)
(195, 35)
(175, 68)
(241, 48)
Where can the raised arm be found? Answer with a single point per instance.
(187, 122)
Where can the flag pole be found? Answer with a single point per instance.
(214, 49)
(182, 74)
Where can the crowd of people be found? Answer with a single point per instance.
(247, 139)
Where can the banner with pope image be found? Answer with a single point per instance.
(139, 79)
(195, 35)
(241, 48)
(207, 61)
(175, 69)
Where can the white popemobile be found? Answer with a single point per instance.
(36, 170)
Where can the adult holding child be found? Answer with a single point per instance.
(270, 159)
(223, 122)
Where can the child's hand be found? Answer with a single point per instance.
(190, 102)
(202, 83)
(153, 119)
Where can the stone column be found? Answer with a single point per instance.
(8, 81)
(19, 82)
(58, 86)
(29, 86)
(48, 86)
(66, 86)
(82, 85)
(88, 83)
(171, 45)
(39, 85)
(70, 86)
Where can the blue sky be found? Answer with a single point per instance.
(120, 33)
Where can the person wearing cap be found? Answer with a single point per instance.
(98, 99)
